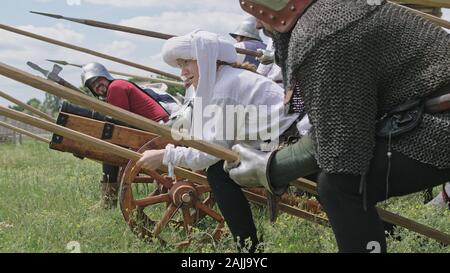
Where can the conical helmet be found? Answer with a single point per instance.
(247, 29)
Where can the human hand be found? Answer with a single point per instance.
(251, 170)
(151, 160)
(267, 56)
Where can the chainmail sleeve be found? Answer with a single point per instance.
(340, 93)
(354, 62)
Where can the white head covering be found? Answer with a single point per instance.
(205, 47)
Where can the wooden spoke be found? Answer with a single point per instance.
(199, 205)
(151, 200)
(171, 210)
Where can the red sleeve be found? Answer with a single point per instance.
(127, 96)
(118, 95)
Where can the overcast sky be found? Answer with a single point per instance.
(169, 16)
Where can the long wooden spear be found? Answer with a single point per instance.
(88, 51)
(134, 156)
(428, 3)
(132, 30)
(434, 3)
(27, 107)
(124, 74)
(24, 132)
(438, 21)
(88, 140)
(148, 125)
(113, 111)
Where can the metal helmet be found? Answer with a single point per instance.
(247, 29)
(94, 70)
(280, 14)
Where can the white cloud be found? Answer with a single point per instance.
(120, 49)
(18, 48)
(179, 23)
(220, 5)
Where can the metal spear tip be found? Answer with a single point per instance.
(47, 14)
(58, 62)
(57, 16)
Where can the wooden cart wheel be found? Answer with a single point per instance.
(169, 197)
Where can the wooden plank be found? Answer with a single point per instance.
(123, 136)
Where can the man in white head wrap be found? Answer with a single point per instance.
(205, 60)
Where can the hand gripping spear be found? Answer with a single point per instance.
(153, 127)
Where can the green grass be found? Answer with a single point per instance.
(48, 199)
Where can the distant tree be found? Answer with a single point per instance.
(52, 104)
(16, 107)
(35, 103)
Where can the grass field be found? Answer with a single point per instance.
(49, 199)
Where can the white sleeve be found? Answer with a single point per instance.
(194, 159)
(241, 57)
(188, 158)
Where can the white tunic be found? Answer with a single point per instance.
(233, 87)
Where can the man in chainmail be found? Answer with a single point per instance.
(355, 62)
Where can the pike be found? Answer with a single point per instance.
(27, 107)
(132, 30)
(153, 127)
(60, 62)
(119, 151)
(24, 132)
(114, 111)
(87, 51)
(88, 140)
(438, 21)
(428, 3)
(433, 3)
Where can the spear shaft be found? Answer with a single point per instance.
(159, 35)
(438, 21)
(115, 112)
(164, 131)
(125, 74)
(88, 140)
(132, 30)
(24, 132)
(428, 3)
(27, 107)
(88, 51)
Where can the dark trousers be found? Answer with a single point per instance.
(359, 229)
(110, 173)
(234, 207)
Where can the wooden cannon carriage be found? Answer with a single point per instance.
(190, 195)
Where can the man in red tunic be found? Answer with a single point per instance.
(128, 96)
